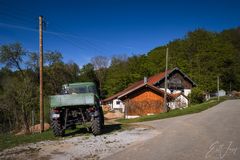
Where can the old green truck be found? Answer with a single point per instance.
(78, 104)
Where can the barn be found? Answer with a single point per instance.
(144, 99)
(146, 96)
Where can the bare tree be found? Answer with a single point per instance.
(100, 64)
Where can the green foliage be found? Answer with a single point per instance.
(9, 140)
(53, 57)
(12, 55)
(19, 88)
(47, 110)
(201, 54)
(87, 73)
(196, 96)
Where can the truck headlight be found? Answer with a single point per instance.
(54, 115)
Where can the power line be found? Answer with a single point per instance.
(25, 15)
(15, 17)
(71, 38)
(79, 38)
(20, 15)
(23, 12)
(60, 35)
(17, 27)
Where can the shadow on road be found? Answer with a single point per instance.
(109, 128)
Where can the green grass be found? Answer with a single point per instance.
(177, 112)
(10, 140)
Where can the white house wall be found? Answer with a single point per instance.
(115, 105)
(186, 92)
(221, 93)
(179, 102)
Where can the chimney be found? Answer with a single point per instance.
(145, 80)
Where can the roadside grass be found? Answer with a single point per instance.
(11, 140)
(195, 108)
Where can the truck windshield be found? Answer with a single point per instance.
(79, 90)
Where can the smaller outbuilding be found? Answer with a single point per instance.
(144, 99)
(179, 101)
(221, 93)
(141, 99)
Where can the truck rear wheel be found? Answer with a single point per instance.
(96, 125)
(57, 128)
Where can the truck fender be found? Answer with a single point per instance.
(96, 114)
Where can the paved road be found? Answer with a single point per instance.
(209, 135)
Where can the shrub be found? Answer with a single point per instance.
(196, 96)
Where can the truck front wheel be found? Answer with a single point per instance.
(96, 125)
(57, 128)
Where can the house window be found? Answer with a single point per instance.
(175, 83)
(118, 102)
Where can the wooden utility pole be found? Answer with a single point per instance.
(218, 87)
(41, 72)
(165, 84)
(230, 87)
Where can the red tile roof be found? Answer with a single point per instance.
(151, 80)
(140, 86)
(157, 77)
(175, 95)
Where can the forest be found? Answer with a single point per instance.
(203, 55)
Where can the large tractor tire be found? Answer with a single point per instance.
(102, 117)
(57, 128)
(96, 125)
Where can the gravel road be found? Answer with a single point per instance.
(87, 147)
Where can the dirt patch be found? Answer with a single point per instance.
(87, 147)
(35, 129)
(114, 115)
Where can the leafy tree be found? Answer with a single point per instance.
(87, 73)
(12, 56)
(53, 57)
(33, 61)
(201, 54)
(26, 98)
(19, 89)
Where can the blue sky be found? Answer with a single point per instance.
(82, 29)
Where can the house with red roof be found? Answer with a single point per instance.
(146, 96)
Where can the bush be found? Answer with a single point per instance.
(47, 110)
(196, 96)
